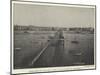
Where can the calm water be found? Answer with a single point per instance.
(28, 45)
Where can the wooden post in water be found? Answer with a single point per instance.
(59, 49)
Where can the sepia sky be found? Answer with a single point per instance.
(56, 16)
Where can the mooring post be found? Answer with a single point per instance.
(59, 49)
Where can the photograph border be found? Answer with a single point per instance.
(30, 71)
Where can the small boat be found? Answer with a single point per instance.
(26, 32)
(18, 49)
(75, 42)
(78, 54)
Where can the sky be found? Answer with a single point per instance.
(53, 16)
